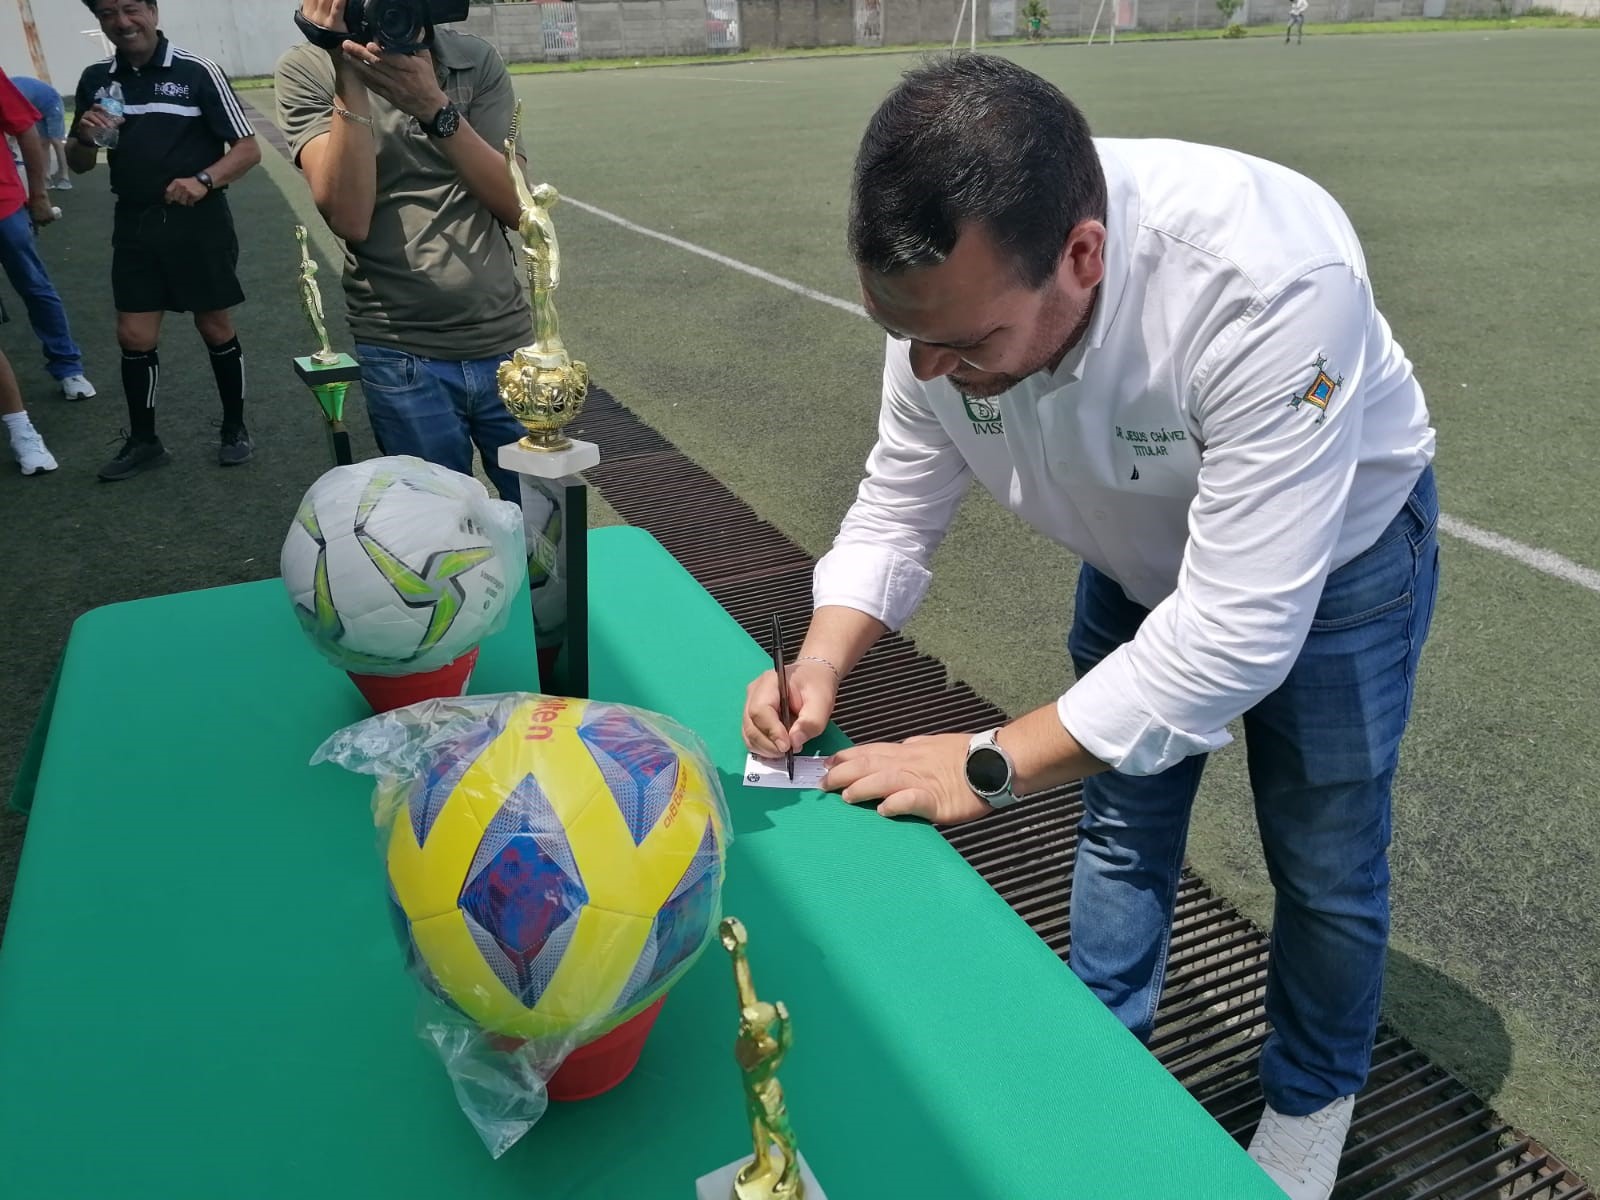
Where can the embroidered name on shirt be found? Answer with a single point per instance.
(984, 415)
(1150, 443)
(1320, 393)
(172, 91)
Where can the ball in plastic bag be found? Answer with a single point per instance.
(557, 871)
(397, 566)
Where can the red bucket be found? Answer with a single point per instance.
(385, 692)
(605, 1062)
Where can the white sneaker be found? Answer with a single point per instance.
(1301, 1154)
(61, 185)
(31, 451)
(76, 387)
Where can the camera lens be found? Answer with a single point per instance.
(396, 22)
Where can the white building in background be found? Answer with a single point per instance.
(244, 37)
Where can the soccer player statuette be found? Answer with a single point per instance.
(765, 1035)
(541, 385)
(326, 372)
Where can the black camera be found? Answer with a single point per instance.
(398, 26)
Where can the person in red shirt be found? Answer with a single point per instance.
(22, 208)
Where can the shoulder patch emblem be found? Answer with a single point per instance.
(1320, 393)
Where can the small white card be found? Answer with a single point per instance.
(774, 772)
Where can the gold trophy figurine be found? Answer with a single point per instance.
(311, 299)
(326, 372)
(541, 385)
(764, 1038)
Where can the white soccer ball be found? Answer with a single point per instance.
(397, 566)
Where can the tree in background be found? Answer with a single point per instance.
(1230, 27)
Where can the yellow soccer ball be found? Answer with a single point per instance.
(558, 867)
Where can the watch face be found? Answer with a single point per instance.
(987, 773)
(447, 121)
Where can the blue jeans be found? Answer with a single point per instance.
(438, 409)
(19, 257)
(1322, 751)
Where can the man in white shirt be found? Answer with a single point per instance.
(1297, 21)
(1167, 358)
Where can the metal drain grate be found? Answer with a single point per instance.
(1418, 1132)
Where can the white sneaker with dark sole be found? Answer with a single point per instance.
(76, 387)
(32, 454)
(1301, 1154)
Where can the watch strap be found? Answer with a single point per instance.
(1006, 794)
(323, 39)
(447, 111)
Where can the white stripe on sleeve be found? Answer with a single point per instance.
(230, 103)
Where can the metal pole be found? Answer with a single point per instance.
(30, 32)
(960, 16)
(1095, 27)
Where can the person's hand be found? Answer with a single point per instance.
(96, 120)
(406, 81)
(329, 14)
(920, 777)
(40, 210)
(813, 689)
(187, 191)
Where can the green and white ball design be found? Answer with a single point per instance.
(395, 565)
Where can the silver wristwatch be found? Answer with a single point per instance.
(990, 772)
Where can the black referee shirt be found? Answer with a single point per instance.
(181, 115)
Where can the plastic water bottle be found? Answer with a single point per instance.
(110, 99)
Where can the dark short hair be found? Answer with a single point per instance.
(93, 5)
(971, 137)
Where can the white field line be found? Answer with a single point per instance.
(1546, 561)
(725, 78)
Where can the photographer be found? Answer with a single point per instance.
(398, 131)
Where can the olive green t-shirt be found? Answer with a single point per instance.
(436, 274)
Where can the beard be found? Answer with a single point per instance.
(1049, 347)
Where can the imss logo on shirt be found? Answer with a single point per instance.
(1321, 391)
(984, 414)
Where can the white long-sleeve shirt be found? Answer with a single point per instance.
(1236, 423)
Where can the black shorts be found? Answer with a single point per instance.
(168, 258)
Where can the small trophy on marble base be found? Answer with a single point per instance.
(776, 1171)
(327, 373)
(544, 389)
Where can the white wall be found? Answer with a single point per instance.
(244, 37)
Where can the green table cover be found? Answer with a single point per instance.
(201, 996)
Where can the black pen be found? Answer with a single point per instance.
(784, 714)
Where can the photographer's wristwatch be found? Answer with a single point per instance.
(205, 178)
(989, 770)
(445, 122)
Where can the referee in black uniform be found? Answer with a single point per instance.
(183, 138)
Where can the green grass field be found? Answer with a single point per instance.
(1468, 163)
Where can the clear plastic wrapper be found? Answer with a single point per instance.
(397, 566)
(555, 866)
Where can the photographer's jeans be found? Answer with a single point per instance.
(1322, 752)
(438, 409)
(19, 258)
